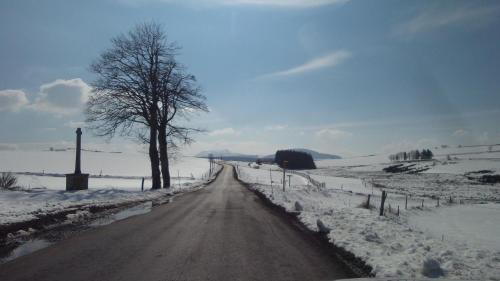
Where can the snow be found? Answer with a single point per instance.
(41, 176)
(95, 163)
(458, 239)
(120, 170)
(27, 248)
(453, 240)
(343, 183)
(463, 166)
(463, 159)
(23, 205)
(354, 161)
(59, 182)
(476, 224)
(263, 174)
(140, 209)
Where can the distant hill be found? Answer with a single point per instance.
(222, 153)
(316, 155)
(233, 156)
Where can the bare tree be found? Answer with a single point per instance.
(180, 97)
(129, 86)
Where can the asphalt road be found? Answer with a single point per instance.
(221, 232)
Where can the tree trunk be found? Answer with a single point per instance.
(155, 161)
(162, 141)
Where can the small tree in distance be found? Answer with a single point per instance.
(425, 154)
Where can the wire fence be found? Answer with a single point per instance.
(395, 202)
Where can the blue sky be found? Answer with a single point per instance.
(346, 77)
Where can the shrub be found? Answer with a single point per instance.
(8, 180)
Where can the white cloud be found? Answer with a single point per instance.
(268, 3)
(284, 3)
(224, 132)
(75, 124)
(459, 133)
(438, 16)
(247, 147)
(62, 97)
(329, 134)
(12, 100)
(276, 127)
(332, 59)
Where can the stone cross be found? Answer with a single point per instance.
(78, 151)
(77, 180)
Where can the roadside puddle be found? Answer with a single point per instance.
(26, 248)
(140, 209)
(30, 246)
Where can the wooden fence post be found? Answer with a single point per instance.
(406, 202)
(368, 202)
(382, 202)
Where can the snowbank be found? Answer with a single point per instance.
(25, 205)
(391, 245)
(17, 206)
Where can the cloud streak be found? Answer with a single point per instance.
(330, 134)
(459, 133)
(330, 60)
(276, 128)
(224, 132)
(284, 3)
(262, 3)
(439, 17)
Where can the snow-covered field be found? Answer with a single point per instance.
(24, 205)
(46, 169)
(477, 224)
(41, 178)
(458, 239)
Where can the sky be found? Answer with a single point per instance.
(338, 76)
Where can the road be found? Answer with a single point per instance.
(221, 232)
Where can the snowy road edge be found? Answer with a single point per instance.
(49, 220)
(357, 265)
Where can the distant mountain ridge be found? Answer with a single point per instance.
(318, 155)
(222, 153)
(226, 153)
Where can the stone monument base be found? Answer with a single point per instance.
(77, 182)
